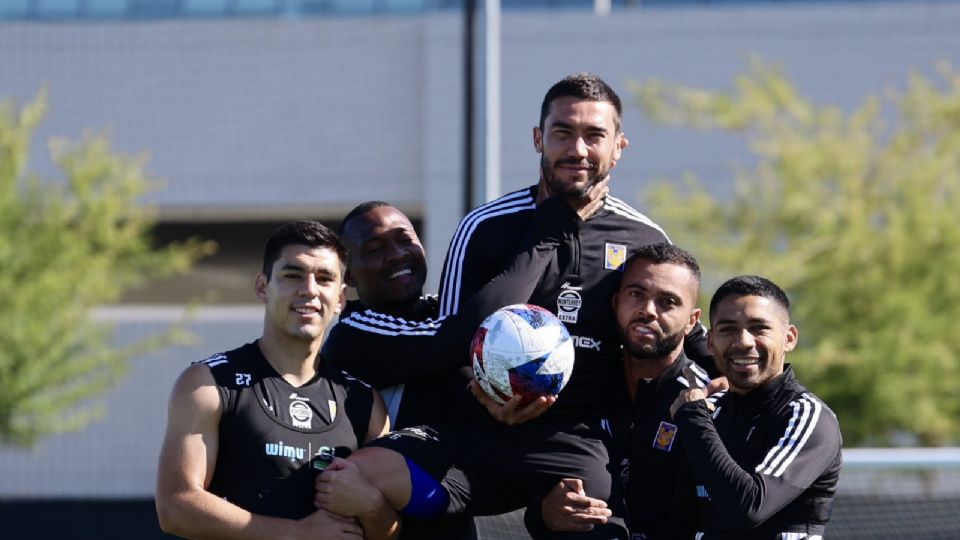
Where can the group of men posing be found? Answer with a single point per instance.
(665, 430)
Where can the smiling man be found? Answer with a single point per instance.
(393, 338)
(386, 266)
(496, 458)
(250, 429)
(766, 465)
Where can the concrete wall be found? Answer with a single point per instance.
(282, 118)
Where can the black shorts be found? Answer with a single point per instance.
(502, 468)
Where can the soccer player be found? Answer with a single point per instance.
(393, 337)
(249, 429)
(655, 308)
(510, 457)
(387, 268)
(767, 462)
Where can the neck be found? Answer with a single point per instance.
(635, 368)
(296, 360)
(408, 310)
(585, 206)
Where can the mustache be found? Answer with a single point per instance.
(571, 161)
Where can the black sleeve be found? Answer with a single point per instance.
(383, 350)
(803, 448)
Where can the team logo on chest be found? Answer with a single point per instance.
(332, 406)
(614, 256)
(665, 436)
(301, 415)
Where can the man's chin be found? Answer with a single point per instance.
(574, 191)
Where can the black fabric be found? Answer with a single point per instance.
(275, 438)
(577, 283)
(766, 463)
(503, 468)
(645, 450)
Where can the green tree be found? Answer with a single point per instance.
(855, 215)
(67, 246)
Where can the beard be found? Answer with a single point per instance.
(661, 347)
(568, 190)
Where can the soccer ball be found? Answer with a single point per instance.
(522, 350)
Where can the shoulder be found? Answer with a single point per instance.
(230, 368)
(499, 210)
(803, 420)
(195, 390)
(679, 382)
(366, 320)
(807, 407)
(225, 360)
(619, 210)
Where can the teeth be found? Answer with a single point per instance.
(398, 273)
(744, 361)
(305, 310)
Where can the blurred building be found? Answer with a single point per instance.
(256, 112)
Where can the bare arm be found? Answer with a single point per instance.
(187, 461)
(343, 490)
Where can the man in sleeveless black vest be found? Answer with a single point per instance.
(249, 430)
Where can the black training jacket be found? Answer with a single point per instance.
(765, 465)
(581, 276)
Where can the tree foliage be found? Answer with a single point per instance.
(855, 215)
(68, 246)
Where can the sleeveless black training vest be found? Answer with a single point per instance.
(275, 438)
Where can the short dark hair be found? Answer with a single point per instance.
(666, 253)
(586, 86)
(750, 286)
(303, 232)
(359, 209)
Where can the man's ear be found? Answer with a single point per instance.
(793, 335)
(538, 139)
(694, 317)
(348, 279)
(621, 143)
(260, 287)
(342, 301)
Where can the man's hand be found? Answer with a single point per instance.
(695, 393)
(343, 490)
(719, 384)
(567, 509)
(589, 205)
(511, 413)
(323, 524)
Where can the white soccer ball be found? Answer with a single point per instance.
(522, 350)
